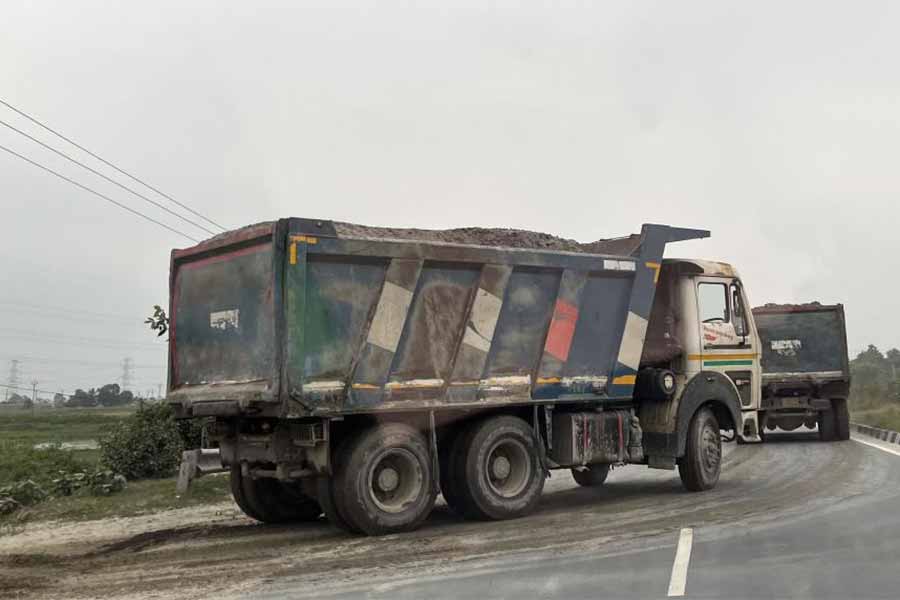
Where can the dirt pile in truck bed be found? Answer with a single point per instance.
(480, 236)
(498, 237)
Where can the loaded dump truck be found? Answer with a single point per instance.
(359, 372)
(806, 370)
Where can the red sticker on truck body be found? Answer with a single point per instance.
(562, 330)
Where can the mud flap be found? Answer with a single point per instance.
(749, 430)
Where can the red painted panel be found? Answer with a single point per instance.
(562, 330)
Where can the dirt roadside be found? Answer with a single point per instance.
(215, 551)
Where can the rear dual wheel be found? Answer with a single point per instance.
(495, 470)
(272, 501)
(834, 424)
(383, 481)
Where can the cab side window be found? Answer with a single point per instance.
(713, 300)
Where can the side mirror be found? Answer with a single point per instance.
(740, 318)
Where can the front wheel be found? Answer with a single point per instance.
(701, 464)
(593, 476)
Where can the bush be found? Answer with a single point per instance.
(145, 445)
(24, 493)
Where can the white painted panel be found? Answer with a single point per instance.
(387, 324)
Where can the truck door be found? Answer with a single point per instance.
(728, 343)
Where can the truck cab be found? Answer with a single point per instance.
(701, 330)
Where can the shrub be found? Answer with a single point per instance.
(145, 445)
(24, 493)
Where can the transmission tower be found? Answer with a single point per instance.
(127, 368)
(13, 380)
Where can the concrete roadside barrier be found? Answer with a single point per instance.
(885, 435)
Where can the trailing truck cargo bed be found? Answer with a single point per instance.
(806, 371)
(303, 317)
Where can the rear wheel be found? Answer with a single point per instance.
(237, 492)
(326, 492)
(449, 458)
(701, 464)
(386, 485)
(841, 419)
(827, 425)
(272, 501)
(592, 476)
(499, 470)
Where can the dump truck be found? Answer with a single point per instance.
(360, 372)
(806, 369)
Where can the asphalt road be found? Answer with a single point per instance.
(793, 518)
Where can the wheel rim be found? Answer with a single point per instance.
(710, 448)
(395, 480)
(508, 468)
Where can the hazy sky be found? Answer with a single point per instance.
(775, 125)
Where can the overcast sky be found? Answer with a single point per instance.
(775, 125)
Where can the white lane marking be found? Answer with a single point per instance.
(879, 446)
(678, 580)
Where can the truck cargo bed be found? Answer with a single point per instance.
(313, 318)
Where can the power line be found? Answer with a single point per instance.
(26, 389)
(113, 181)
(96, 193)
(109, 164)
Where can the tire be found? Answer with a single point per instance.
(237, 492)
(275, 502)
(386, 484)
(325, 492)
(500, 472)
(827, 425)
(449, 479)
(701, 464)
(841, 419)
(593, 476)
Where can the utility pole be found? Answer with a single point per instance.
(13, 380)
(34, 383)
(127, 368)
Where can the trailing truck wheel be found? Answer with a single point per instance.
(700, 466)
(385, 484)
(499, 470)
(827, 425)
(592, 476)
(272, 501)
(841, 419)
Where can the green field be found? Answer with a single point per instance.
(21, 430)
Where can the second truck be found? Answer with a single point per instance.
(360, 372)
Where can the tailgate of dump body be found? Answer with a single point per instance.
(805, 342)
(225, 301)
(382, 324)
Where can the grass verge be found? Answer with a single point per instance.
(140, 497)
